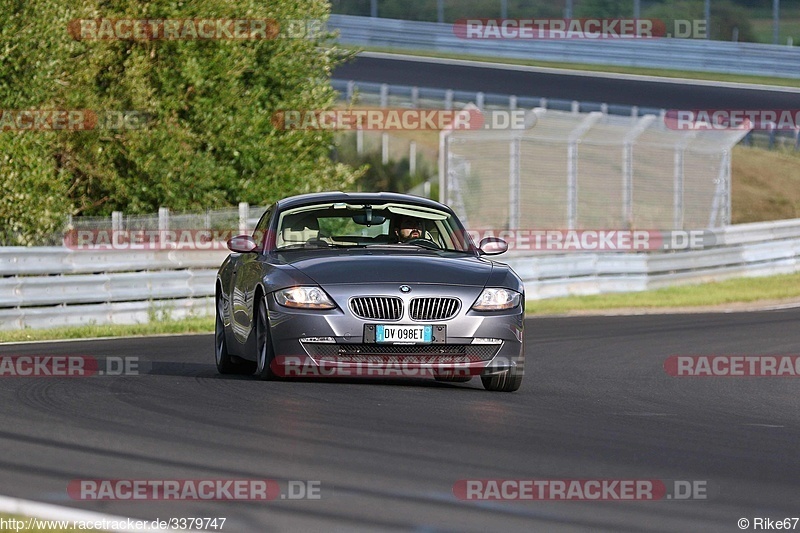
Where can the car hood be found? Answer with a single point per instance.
(369, 266)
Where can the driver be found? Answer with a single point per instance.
(409, 228)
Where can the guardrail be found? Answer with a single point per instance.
(679, 54)
(52, 286)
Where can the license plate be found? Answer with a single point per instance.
(414, 334)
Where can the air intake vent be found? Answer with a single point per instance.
(377, 307)
(426, 309)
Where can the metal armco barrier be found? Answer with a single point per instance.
(51, 286)
(679, 54)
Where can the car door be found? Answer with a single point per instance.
(246, 275)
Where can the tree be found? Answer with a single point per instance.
(209, 139)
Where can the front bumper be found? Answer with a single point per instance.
(332, 343)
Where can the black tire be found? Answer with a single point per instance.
(506, 381)
(264, 352)
(223, 359)
(452, 379)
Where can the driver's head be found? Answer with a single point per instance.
(409, 228)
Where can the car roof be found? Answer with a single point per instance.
(358, 197)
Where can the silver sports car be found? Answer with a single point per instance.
(368, 285)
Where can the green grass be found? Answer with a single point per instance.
(710, 76)
(159, 327)
(745, 290)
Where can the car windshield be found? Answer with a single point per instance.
(401, 226)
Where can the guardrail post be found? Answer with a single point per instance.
(772, 133)
(385, 148)
(359, 141)
(576, 107)
(635, 111)
(604, 108)
(512, 102)
(163, 225)
(116, 221)
(244, 214)
(543, 103)
(351, 87)
(415, 97)
(797, 138)
(384, 95)
(479, 99)
(448, 99)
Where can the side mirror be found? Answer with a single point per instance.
(493, 246)
(242, 244)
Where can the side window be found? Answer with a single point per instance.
(260, 232)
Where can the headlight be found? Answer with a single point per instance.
(304, 298)
(496, 299)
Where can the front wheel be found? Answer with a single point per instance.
(264, 352)
(507, 380)
(224, 363)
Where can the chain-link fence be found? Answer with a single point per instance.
(589, 170)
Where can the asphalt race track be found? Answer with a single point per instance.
(618, 89)
(596, 404)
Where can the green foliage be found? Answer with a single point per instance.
(604, 9)
(724, 18)
(376, 176)
(209, 140)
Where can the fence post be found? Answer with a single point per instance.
(244, 213)
(415, 97)
(627, 167)
(722, 194)
(444, 160)
(513, 184)
(572, 166)
(412, 158)
(677, 194)
(385, 148)
(351, 85)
